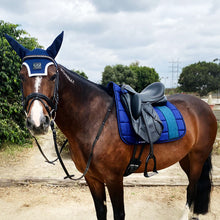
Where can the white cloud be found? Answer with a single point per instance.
(114, 6)
(100, 33)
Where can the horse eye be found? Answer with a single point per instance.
(53, 77)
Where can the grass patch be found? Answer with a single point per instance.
(9, 149)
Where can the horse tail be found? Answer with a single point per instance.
(203, 189)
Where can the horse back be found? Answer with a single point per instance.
(199, 118)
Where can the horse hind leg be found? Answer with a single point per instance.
(203, 189)
(199, 188)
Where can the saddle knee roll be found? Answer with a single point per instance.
(136, 106)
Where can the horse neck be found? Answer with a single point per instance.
(82, 105)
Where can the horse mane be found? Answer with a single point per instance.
(72, 75)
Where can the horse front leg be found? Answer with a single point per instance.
(116, 193)
(97, 190)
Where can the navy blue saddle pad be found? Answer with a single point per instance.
(173, 123)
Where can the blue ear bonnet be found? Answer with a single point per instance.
(37, 66)
(38, 60)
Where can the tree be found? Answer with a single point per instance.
(119, 74)
(81, 73)
(12, 126)
(134, 75)
(144, 75)
(201, 77)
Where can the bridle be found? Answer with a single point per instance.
(47, 102)
(52, 103)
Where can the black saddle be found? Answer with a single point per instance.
(144, 119)
(153, 94)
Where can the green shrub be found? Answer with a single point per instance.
(12, 118)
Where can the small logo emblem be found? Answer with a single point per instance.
(37, 66)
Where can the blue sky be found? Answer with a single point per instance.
(100, 32)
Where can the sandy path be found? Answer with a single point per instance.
(35, 202)
(32, 189)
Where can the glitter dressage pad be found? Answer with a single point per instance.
(173, 123)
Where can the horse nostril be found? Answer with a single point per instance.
(41, 128)
(45, 121)
(29, 123)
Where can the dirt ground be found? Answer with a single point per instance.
(54, 202)
(31, 189)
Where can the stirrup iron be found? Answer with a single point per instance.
(150, 156)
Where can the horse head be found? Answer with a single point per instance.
(39, 76)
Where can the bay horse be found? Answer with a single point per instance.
(79, 113)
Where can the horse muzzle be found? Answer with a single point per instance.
(39, 111)
(41, 127)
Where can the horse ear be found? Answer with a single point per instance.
(54, 48)
(19, 49)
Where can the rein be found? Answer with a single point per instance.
(59, 152)
(92, 149)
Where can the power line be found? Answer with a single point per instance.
(174, 71)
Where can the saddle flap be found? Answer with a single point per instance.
(148, 126)
(144, 119)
